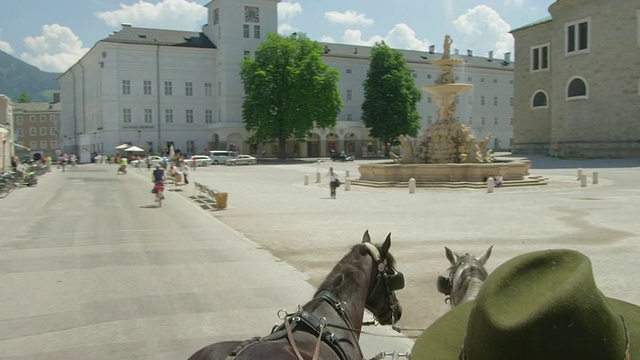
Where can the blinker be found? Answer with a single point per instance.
(395, 281)
(444, 285)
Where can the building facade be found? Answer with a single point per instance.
(154, 88)
(577, 81)
(37, 127)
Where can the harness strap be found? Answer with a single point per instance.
(242, 346)
(292, 341)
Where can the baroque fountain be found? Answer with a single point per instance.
(447, 151)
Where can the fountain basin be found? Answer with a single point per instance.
(471, 172)
(448, 89)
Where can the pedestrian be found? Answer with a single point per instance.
(185, 172)
(539, 305)
(194, 164)
(334, 182)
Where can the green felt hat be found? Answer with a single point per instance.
(540, 305)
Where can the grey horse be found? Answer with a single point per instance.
(466, 275)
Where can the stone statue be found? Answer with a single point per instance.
(447, 47)
(446, 75)
(408, 156)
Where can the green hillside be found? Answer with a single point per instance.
(17, 77)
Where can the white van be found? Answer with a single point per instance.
(221, 156)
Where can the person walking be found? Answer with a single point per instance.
(334, 182)
(185, 171)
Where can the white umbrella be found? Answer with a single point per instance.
(133, 149)
(123, 146)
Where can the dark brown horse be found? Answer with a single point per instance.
(328, 326)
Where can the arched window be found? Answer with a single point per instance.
(577, 88)
(540, 100)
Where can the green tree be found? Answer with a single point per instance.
(289, 90)
(24, 98)
(390, 97)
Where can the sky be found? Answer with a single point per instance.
(53, 35)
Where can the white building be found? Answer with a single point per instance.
(154, 88)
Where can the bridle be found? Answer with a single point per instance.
(387, 282)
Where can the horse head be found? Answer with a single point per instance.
(466, 275)
(384, 281)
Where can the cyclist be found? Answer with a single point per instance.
(123, 165)
(158, 180)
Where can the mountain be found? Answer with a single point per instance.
(16, 76)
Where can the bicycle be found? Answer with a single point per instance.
(158, 190)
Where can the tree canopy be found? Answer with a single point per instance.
(390, 97)
(289, 90)
(23, 98)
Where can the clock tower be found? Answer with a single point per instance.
(236, 28)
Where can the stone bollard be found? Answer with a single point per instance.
(579, 174)
(306, 179)
(412, 186)
(347, 184)
(346, 174)
(595, 177)
(490, 184)
(583, 181)
(317, 176)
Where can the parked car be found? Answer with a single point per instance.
(155, 160)
(201, 160)
(242, 160)
(221, 156)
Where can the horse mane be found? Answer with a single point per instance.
(349, 269)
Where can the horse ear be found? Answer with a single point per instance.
(384, 249)
(453, 258)
(483, 259)
(366, 238)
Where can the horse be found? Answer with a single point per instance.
(466, 276)
(328, 326)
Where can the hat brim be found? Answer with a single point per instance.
(443, 339)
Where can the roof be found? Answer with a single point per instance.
(145, 36)
(35, 107)
(418, 56)
(537, 22)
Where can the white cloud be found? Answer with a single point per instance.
(401, 36)
(485, 30)
(514, 2)
(348, 17)
(174, 14)
(288, 10)
(327, 39)
(55, 50)
(285, 28)
(6, 47)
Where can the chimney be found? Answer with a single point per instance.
(469, 52)
(432, 49)
(124, 25)
(56, 98)
(507, 56)
(491, 55)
